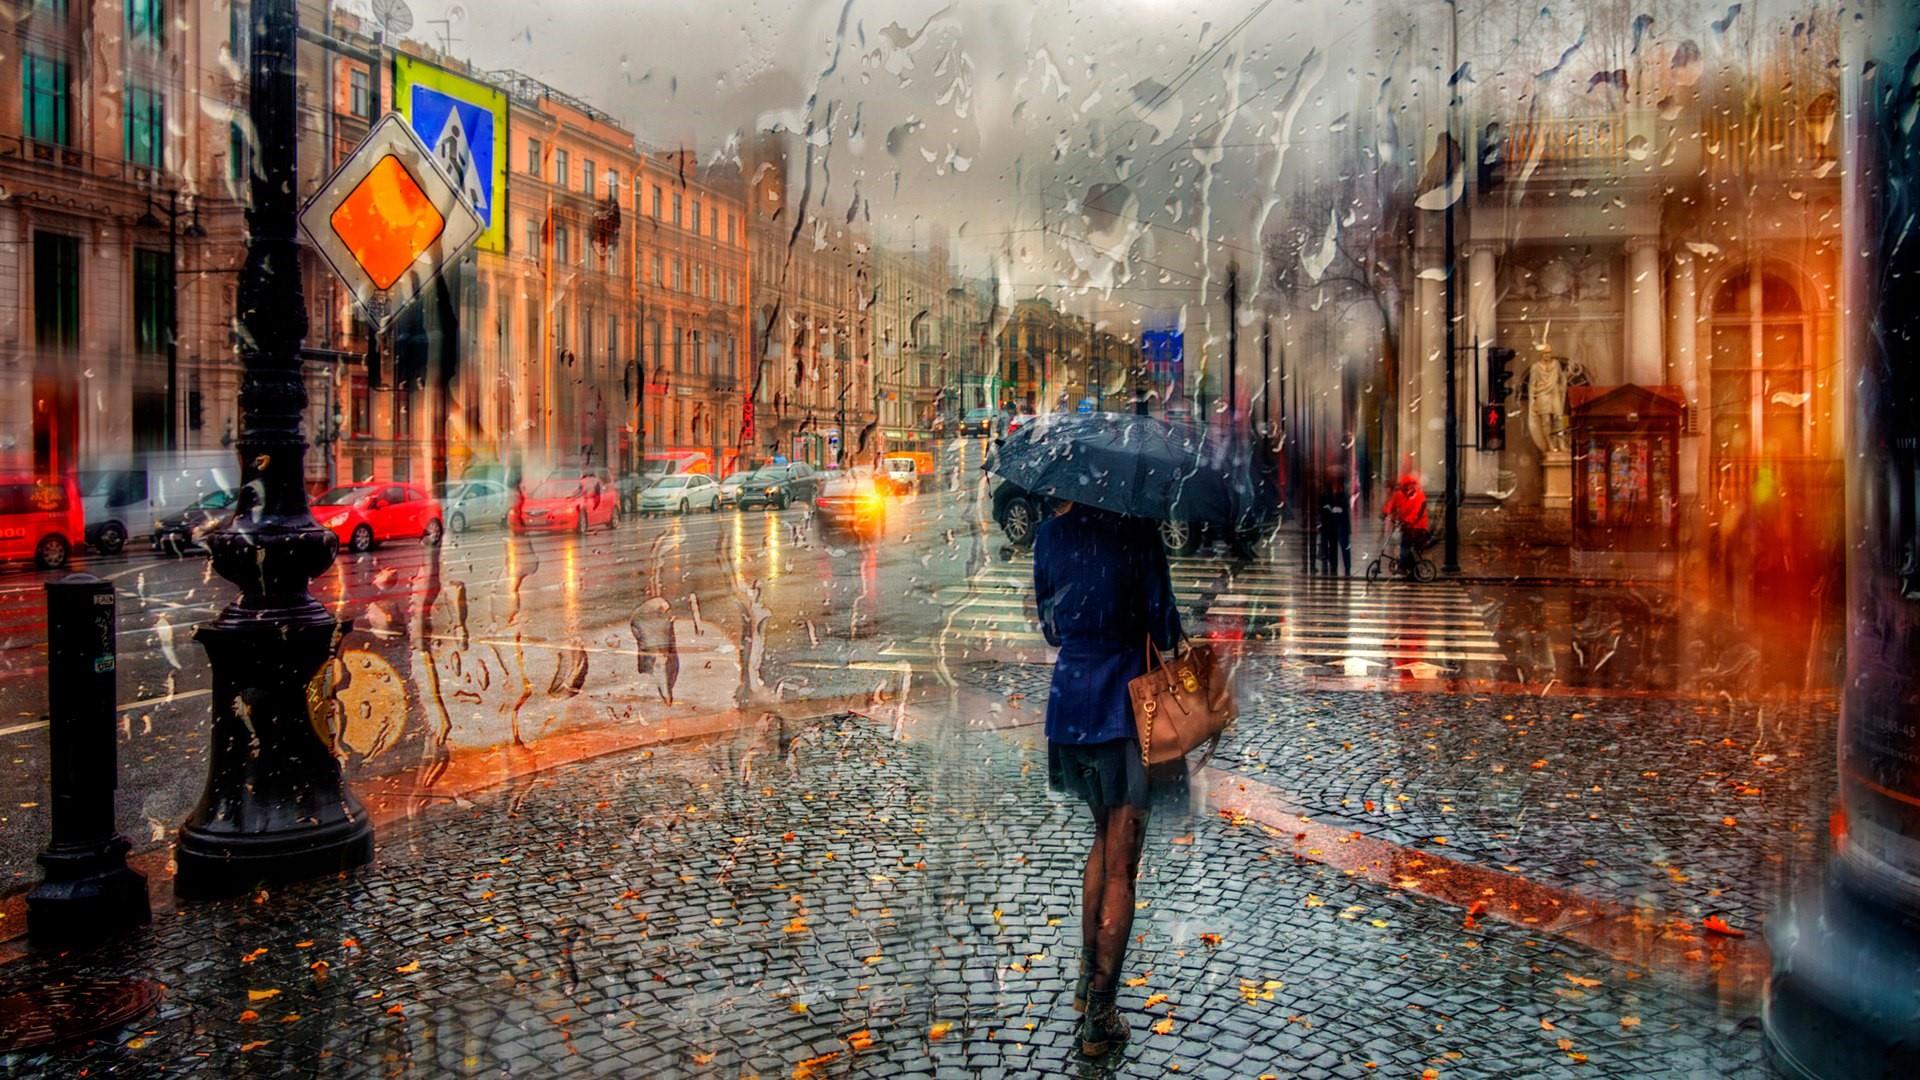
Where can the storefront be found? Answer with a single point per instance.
(1625, 470)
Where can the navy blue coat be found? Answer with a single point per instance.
(1102, 585)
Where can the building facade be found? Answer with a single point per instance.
(118, 231)
(812, 303)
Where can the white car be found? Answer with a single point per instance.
(680, 493)
(471, 503)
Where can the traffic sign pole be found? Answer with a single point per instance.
(275, 807)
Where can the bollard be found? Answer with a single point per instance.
(87, 892)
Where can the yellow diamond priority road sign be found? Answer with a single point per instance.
(389, 221)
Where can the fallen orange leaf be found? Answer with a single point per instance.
(939, 1030)
(1210, 940)
(1164, 1027)
(248, 1016)
(408, 968)
(860, 1040)
(257, 996)
(1153, 1000)
(702, 1059)
(248, 1048)
(810, 1068)
(1714, 924)
(1629, 1021)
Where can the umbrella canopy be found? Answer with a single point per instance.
(1130, 464)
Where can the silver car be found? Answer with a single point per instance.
(471, 503)
(680, 493)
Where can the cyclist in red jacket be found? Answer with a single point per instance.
(1407, 508)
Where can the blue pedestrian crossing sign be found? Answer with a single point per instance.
(464, 123)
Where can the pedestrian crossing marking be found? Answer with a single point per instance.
(1417, 629)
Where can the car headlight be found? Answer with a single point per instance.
(335, 521)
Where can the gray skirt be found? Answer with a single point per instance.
(1103, 775)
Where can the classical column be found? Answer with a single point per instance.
(1846, 950)
(1645, 364)
(1684, 306)
(1430, 407)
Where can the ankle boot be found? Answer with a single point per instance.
(1103, 1028)
(1086, 980)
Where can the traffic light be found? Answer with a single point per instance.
(1493, 426)
(1499, 375)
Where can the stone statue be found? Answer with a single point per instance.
(1545, 387)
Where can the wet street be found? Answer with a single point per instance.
(843, 851)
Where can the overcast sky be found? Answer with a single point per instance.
(1072, 141)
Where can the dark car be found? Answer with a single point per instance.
(977, 423)
(1017, 511)
(777, 486)
(182, 530)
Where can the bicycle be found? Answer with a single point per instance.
(1419, 568)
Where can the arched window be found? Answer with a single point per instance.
(1760, 396)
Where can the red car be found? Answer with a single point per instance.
(567, 502)
(363, 515)
(40, 519)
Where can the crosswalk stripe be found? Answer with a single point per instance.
(1396, 625)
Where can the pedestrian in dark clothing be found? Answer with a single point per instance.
(1336, 527)
(1103, 587)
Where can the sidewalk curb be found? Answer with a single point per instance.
(1735, 969)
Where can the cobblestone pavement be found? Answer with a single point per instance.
(827, 900)
(1693, 807)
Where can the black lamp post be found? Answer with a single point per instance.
(275, 806)
(151, 220)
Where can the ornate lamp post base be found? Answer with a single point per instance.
(275, 807)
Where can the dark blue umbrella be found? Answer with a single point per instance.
(1138, 465)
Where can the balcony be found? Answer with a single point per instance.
(68, 162)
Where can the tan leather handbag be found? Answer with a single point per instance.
(1180, 704)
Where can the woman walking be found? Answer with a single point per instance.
(1103, 586)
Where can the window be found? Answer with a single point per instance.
(655, 279)
(656, 202)
(147, 21)
(239, 31)
(562, 243)
(533, 240)
(56, 289)
(679, 360)
(560, 167)
(533, 156)
(694, 224)
(713, 222)
(679, 276)
(146, 125)
(698, 271)
(1761, 392)
(358, 102)
(44, 107)
(587, 176)
(613, 185)
(695, 353)
(654, 333)
(56, 8)
(676, 209)
(731, 221)
(152, 300)
(239, 154)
